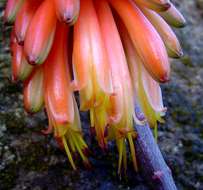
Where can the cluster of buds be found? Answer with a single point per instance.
(114, 53)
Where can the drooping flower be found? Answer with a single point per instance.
(121, 102)
(114, 53)
(67, 10)
(166, 33)
(59, 99)
(40, 33)
(156, 5)
(145, 38)
(33, 91)
(21, 69)
(24, 17)
(173, 17)
(147, 91)
(11, 10)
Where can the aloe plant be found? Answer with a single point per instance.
(114, 53)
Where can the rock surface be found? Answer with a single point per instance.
(30, 160)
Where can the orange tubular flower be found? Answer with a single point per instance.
(89, 58)
(12, 8)
(24, 17)
(89, 54)
(115, 61)
(58, 95)
(33, 91)
(40, 33)
(20, 67)
(157, 5)
(168, 36)
(67, 10)
(145, 39)
(59, 101)
(92, 73)
(146, 90)
(173, 17)
(122, 104)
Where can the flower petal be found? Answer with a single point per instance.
(146, 90)
(40, 34)
(20, 67)
(157, 5)
(33, 91)
(173, 17)
(168, 36)
(145, 39)
(24, 17)
(12, 8)
(58, 94)
(89, 55)
(67, 10)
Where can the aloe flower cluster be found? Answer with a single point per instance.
(113, 53)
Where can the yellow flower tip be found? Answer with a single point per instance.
(68, 153)
(122, 160)
(76, 146)
(132, 151)
(31, 59)
(158, 6)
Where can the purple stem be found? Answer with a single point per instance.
(151, 162)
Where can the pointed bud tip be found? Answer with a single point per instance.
(68, 18)
(20, 40)
(141, 116)
(183, 23)
(166, 6)
(31, 59)
(179, 54)
(165, 78)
